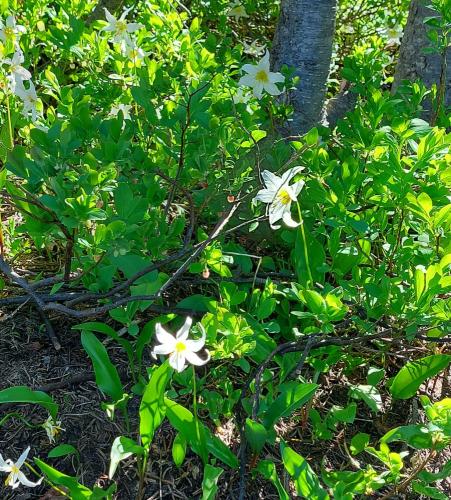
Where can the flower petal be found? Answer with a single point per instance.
(4, 466)
(265, 195)
(177, 361)
(276, 78)
(289, 174)
(249, 68)
(288, 220)
(272, 89)
(276, 213)
(297, 187)
(108, 16)
(22, 458)
(197, 344)
(247, 80)
(26, 482)
(182, 334)
(132, 27)
(272, 181)
(163, 336)
(163, 349)
(194, 359)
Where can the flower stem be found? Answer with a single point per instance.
(10, 127)
(304, 240)
(196, 419)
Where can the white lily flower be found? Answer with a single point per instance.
(237, 11)
(240, 97)
(180, 349)
(52, 428)
(133, 52)
(125, 108)
(10, 30)
(18, 74)
(260, 78)
(254, 48)
(120, 28)
(393, 34)
(29, 100)
(279, 195)
(16, 476)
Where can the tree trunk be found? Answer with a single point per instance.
(413, 63)
(303, 40)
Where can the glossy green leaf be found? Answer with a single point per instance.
(62, 450)
(256, 435)
(292, 397)
(305, 480)
(122, 448)
(414, 373)
(268, 470)
(179, 449)
(152, 408)
(106, 374)
(210, 482)
(23, 394)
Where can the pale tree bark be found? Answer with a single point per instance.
(303, 40)
(414, 64)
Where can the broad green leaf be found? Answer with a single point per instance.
(179, 449)
(122, 448)
(106, 374)
(256, 435)
(183, 421)
(417, 436)
(375, 375)
(152, 408)
(369, 394)
(268, 470)
(429, 477)
(63, 450)
(77, 491)
(23, 394)
(292, 397)
(425, 202)
(414, 373)
(315, 302)
(210, 482)
(305, 480)
(359, 442)
(428, 491)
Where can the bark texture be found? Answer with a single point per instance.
(413, 63)
(303, 40)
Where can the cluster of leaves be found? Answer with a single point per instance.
(129, 144)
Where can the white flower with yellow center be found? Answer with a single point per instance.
(254, 48)
(237, 11)
(52, 428)
(120, 28)
(10, 30)
(16, 477)
(17, 73)
(279, 195)
(180, 349)
(260, 78)
(29, 100)
(393, 34)
(134, 53)
(240, 97)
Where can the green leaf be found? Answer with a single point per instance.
(183, 421)
(417, 436)
(122, 448)
(369, 394)
(268, 470)
(23, 394)
(77, 491)
(414, 373)
(428, 491)
(315, 302)
(106, 374)
(305, 480)
(425, 202)
(359, 442)
(375, 375)
(210, 481)
(152, 408)
(179, 449)
(292, 397)
(63, 450)
(256, 435)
